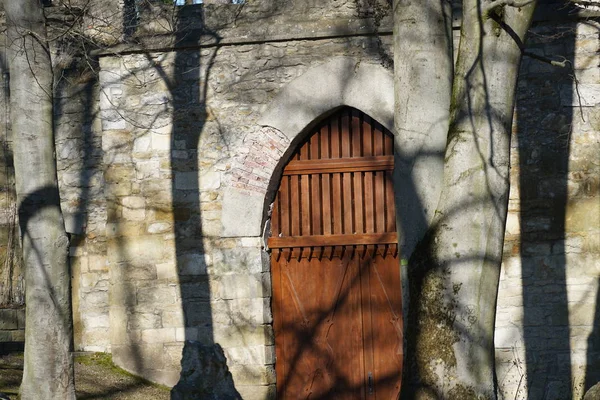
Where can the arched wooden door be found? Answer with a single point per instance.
(336, 278)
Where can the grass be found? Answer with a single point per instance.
(96, 377)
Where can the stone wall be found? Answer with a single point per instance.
(188, 168)
(547, 316)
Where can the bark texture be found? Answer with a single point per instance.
(454, 270)
(423, 70)
(48, 371)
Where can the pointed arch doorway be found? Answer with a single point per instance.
(337, 310)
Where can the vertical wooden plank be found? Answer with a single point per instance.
(377, 140)
(388, 144)
(304, 194)
(315, 186)
(316, 207)
(366, 307)
(357, 151)
(325, 141)
(280, 367)
(326, 183)
(295, 205)
(305, 208)
(336, 178)
(284, 201)
(369, 200)
(379, 179)
(348, 227)
(386, 324)
(275, 217)
(367, 135)
(315, 144)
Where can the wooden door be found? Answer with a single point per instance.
(335, 271)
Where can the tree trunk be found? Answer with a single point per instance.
(423, 70)
(48, 372)
(455, 269)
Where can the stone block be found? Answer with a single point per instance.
(173, 355)
(582, 314)
(89, 280)
(94, 300)
(210, 181)
(147, 169)
(198, 313)
(251, 242)
(244, 286)
(119, 334)
(589, 94)
(116, 139)
(140, 320)
(161, 335)
(8, 319)
(172, 319)
(507, 337)
(92, 320)
(134, 208)
(193, 264)
(200, 289)
(140, 250)
(241, 312)
(142, 144)
(159, 295)
(161, 142)
(160, 227)
(244, 375)
(115, 189)
(582, 215)
(256, 392)
(21, 318)
(186, 180)
(166, 271)
(6, 336)
(18, 335)
(236, 260)
(250, 355)
(243, 335)
(97, 263)
(241, 213)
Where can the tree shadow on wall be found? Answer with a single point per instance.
(204, 369)
(551, 182)
(204, 366)
(188, 312)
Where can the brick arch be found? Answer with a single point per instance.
(343, 81)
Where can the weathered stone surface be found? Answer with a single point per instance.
(242, 213)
